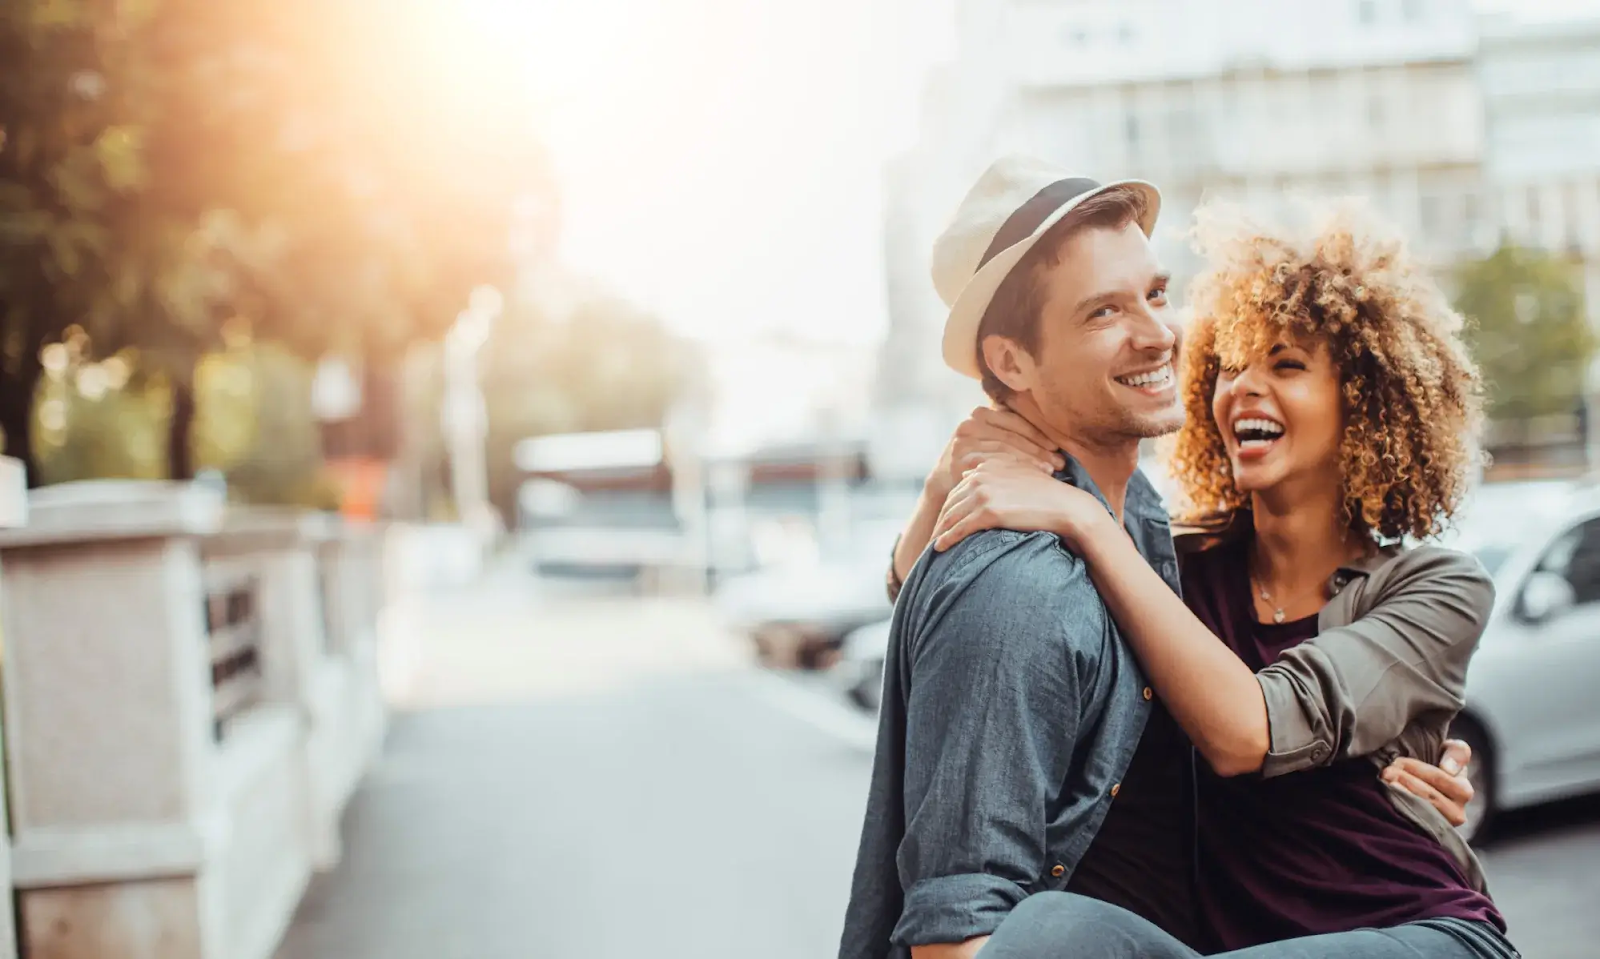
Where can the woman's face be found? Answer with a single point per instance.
(1281, 417)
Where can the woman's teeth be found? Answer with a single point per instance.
(1154, 379)
(1256, 433)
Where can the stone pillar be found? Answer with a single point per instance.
(13, 514)
(143, 826)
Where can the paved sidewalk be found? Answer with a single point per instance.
(581, 779)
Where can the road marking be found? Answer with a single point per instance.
(816, 708)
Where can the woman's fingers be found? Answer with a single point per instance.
(973, 522)
(1415, 785)
(1449, 794)
(1454, 787)
(1009, 431)
(980, 452)
(1456, 758)
(1011, 421)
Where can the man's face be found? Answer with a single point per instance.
(1103, 371)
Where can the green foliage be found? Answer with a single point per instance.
(255, 424)
(169, 167)
(1531, 336)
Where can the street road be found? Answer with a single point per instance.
(581, 778)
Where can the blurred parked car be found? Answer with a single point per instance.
(799, 612)
(859, 671)
(1533, 713)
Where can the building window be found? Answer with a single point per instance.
(1366, 12)
(1411, 10)
(1125, 34)
(1376, 113)
(1132, 128)
(1470, 211)
(1428, 215)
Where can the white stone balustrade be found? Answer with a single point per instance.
(183, 735)
(13, 514)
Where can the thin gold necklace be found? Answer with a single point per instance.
(1278, 611)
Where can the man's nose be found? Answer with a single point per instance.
(1152, 331)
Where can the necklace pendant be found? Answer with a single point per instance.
(1277, 616)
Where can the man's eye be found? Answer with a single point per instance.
(1290, 365)
(1101, 313)
(1158, 295)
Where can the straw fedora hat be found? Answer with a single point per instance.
(1012, 205)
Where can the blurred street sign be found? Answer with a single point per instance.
(588, 451)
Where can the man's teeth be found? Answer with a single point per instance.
(1157, 377)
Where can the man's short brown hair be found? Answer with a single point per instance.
(1015, 308)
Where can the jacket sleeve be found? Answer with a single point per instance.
(1352, 689)
(992, 723)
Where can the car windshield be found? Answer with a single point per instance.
(1492, 556)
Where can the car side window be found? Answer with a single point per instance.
(1576, 558)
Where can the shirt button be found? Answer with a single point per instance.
(1115, 788)
(1058, 870)
(1148, 693)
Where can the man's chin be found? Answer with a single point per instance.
(1148, 426)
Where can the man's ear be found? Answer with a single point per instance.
(1009, 362)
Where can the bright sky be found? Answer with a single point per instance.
(720, 160)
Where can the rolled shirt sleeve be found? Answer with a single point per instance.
(992, 720)
(1354, 688)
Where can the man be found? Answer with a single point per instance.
(1019, 748)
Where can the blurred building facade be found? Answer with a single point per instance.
(1541, 91)
(1460, 129)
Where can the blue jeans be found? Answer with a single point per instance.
(1059, 925)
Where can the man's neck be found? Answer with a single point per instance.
(1109, 461)
(1301, 537)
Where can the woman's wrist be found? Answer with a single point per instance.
(1085, 529)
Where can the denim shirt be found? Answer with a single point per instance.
(1011, 709)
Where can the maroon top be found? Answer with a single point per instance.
(1317, 851)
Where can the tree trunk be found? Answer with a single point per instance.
(180, 448)
(16, 411)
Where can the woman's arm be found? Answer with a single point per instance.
(1347, 692)
(1354, 688)
(1208, 689)
(988, 435)
(1211, 693)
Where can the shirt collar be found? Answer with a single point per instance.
(1141, 500)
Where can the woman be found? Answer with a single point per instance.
(1330, 406)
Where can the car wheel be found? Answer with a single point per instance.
(1481, 811)
(867, 692)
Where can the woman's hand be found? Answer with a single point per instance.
(1446, 785)
(993, 435)
(999, 494)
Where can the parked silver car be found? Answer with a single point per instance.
(1533, 708)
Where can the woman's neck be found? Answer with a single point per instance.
(1301, 540)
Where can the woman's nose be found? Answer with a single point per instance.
(1247, 382)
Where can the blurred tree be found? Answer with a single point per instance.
(1531, 336)
(608, 365)
(169, 167)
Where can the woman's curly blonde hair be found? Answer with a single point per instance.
(1412, 395)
